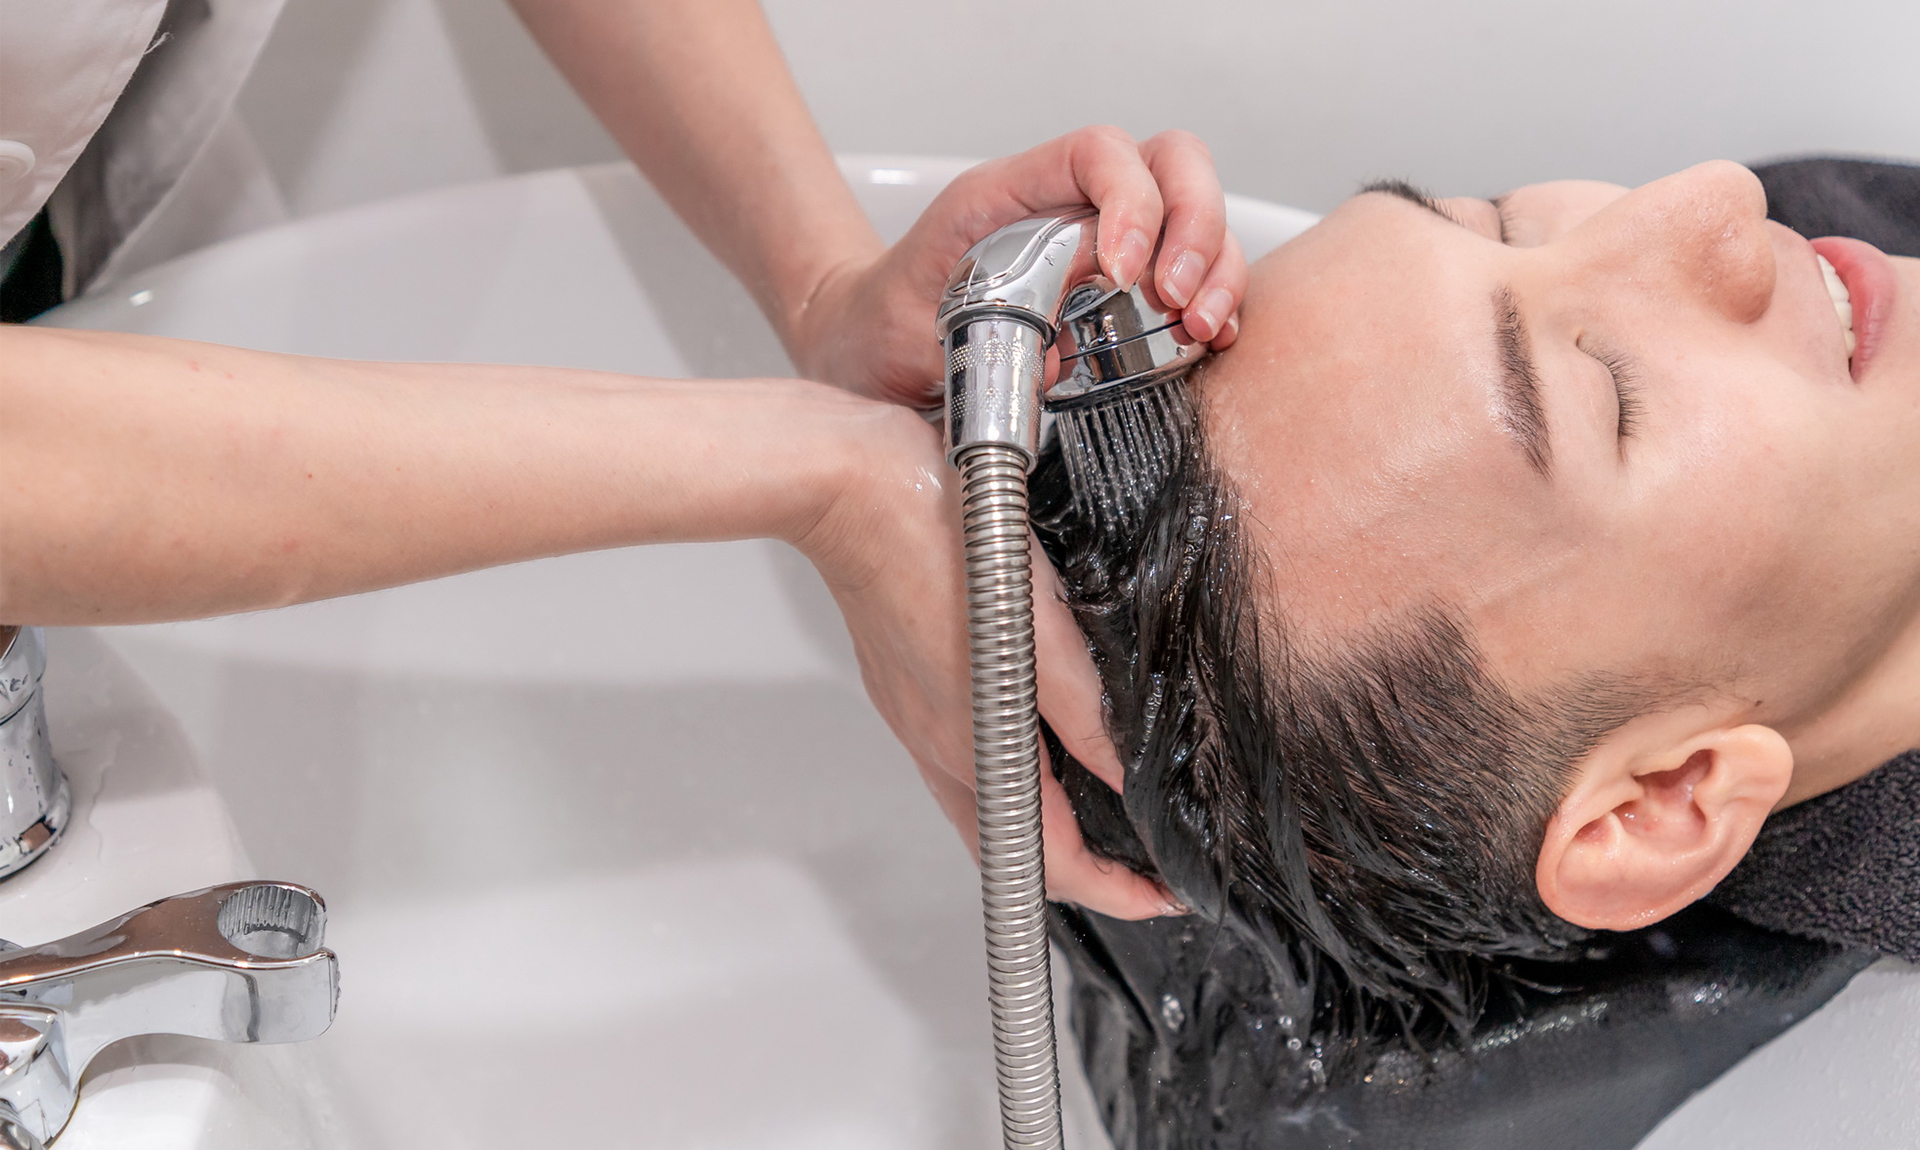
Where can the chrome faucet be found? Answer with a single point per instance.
(235, 963)
(34, 798)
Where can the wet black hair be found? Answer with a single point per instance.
(1369, 812)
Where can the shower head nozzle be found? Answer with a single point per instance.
(1114, 341)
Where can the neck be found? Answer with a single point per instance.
(1874, 721)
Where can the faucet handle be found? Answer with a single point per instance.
(240, 962)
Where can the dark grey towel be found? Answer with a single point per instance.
(1868, 200)
(1843, 867)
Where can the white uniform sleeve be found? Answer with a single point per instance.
(63, 64)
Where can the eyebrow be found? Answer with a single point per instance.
(1523, 416)
(1413, 195)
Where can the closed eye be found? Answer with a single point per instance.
(1628, 405)
(1500, 212)
(1626, 388)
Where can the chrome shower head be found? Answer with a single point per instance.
(1005, 307)
(1016, 294)
(1114, 341)
(1121, 415)
(1001, 313)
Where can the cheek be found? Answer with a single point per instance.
(1728, 535)
(1691, 559)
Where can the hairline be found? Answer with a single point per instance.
(1589, 705)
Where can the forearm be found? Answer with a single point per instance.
(146, 479)
(698, 94)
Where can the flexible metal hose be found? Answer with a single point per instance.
(1004, 308)
(14, 1134)
(1006, 759)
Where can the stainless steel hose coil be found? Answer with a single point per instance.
(1006, 741)
(14, 1134)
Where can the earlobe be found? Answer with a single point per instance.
(1660, 812)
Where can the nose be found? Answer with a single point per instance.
(1698, 237)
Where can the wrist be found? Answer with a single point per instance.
(708, 460)
(886, 490)
(816, 314)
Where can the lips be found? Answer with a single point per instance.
(1871, 285)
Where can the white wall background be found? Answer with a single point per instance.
(1301, 99)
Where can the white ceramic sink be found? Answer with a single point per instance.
(616, 852)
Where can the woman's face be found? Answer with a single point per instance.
(1619, 429)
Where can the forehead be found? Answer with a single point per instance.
(1357, 417)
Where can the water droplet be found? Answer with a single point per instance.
(140, 298)
(1711, 994)
(1172, 1013)
(1293, 1044)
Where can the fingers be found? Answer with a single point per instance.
(1113, 176)
(1214, 315)
(1164, 193)
(1077, 875)
(1166, 187)
(1194, 228)
(1074, 873)
(1226, 339)
(1070, 693)
(1101, 166)
(957, 802)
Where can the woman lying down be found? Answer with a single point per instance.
(1533, 570)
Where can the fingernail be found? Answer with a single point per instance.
(1233, 326)
(1211, 310)
(1131, 258)
(1174, 909)
(1182, 278)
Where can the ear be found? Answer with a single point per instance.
(1660, 811)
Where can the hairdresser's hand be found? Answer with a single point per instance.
(889, 548)
(868, 325)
